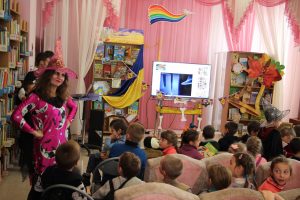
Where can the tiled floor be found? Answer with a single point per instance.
(12, 187)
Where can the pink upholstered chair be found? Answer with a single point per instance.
(290, 194)
(263, 172)
(222, 158)
(157, 191)
(194, 172)
(233, 194)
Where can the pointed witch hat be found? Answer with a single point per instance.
(56, 63)
(272, 113)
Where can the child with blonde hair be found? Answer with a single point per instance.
(254, 148)
(237, 148)
(171, 169)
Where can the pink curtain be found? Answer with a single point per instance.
(239, 37)
(184, 41)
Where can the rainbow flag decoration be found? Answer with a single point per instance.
(157, 13)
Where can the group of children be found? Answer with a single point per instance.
(124, 142)
(240, 172)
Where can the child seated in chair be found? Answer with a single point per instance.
(64, 172)
(134, 135)
(228, 137)
(118, 131)
(190, 141)
(254, 148)
(242, 167)
(168, 142)
(280, 173)
(219, 177)
(209, 134)
(171, 168)
(129, 168)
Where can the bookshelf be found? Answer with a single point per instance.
(242, 94)
(14, 57)
(111, 66)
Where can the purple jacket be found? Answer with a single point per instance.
(190, 151)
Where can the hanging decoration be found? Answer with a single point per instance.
(157, 13)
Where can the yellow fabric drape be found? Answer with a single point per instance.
(133, 93)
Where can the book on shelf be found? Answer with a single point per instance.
(245, 116)
(107, 70)
(120, 71)
(267, 95)
(119, 52)
(109, 52)
(232, 112)
(109, 110)
(238, 79)
(246, 98)
(101, 87)
(98, 70)
(244, 62)
(119, 111)
(253, 97)
(133, 108)
(99, 54)
(98, 105)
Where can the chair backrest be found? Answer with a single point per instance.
(290, 194)
(233, 194)
(194, 172)
(63, 192)
(263, 172)
(157, 191)
(222, 159)
(109, 166)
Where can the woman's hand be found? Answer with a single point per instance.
(38, 134)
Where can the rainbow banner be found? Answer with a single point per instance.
(157, 13)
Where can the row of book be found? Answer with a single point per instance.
(111, 70)
(14, 55)
(8, 77)
(107, 52)
(109, 110)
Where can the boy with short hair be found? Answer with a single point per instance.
(134, 134)
(171, 168)
(253, 129)
(228, 137)
(67, 156)
(209, 134)
(129, 167)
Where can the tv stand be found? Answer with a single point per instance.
(180, 107)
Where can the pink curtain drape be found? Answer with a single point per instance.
(184, 41)
(239, 37)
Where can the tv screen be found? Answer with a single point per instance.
(181, 79)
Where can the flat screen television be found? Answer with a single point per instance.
(181, 79)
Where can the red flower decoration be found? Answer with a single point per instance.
(271, 75)
(255, 68)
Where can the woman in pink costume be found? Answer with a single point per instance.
(52, 111)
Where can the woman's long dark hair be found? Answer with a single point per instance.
(44, 83)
